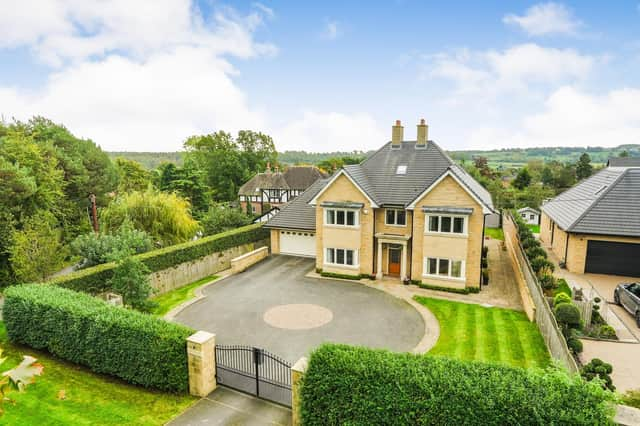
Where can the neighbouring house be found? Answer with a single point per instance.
(407, 211)
(275, 188)
(529, 215)
(595, 226)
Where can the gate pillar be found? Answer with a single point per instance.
(297, 372)
(201, 355)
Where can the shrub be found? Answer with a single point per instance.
(563, 287)
(605, 331)
(599, 369)
(135, 347)
(359, 386)
(575, 345)
(547, 281)
(567, 314)
(540, 262)
(131, 280)
(632, 398)
(484, 263)
(343, 276)
(530, 242)
(95, 280)
(485, 276)
(220, 218)
(485, 251)
(536, 251)
(561, 298)
(465, 290)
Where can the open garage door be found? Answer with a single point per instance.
(298, 243)
(608, 257)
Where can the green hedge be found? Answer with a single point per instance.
(94, 280)
(465, 290)
(359, 386)
(135, 347)
(347, 276)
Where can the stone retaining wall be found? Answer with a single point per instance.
(241, 263)
(188, 272)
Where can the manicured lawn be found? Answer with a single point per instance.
(495, 233)
(534, 228)
(473, 332)
(170, 300)
(90, 399)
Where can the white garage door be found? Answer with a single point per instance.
(298, 243)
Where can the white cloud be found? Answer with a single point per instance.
(571, 117)
(331, 30)
(328, 132)
(545, 19)
(517, 68)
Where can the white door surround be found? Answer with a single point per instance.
(401, 240)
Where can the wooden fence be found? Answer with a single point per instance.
(544, 318)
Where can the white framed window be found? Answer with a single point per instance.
(532, 216)
(395, 217)
(341, 217)
(341, 257)
(440, 224)
(437, 267)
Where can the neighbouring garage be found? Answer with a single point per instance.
(614, 258)
(298, 243)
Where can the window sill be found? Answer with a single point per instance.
(443, 277)
(446, 234)
(338, 265)
(395, 226)
(342, 226)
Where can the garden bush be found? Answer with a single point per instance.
(359, 386)
(632, 398)
(540, 262)
(605, 331)
(135, 347)
(567, 314)
(561, 298)
(563, 287)
(530, 242)
(547, 281)
(536, 251)
(575, 345)
(95, 279)
(599, 369)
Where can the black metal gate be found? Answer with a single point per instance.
(254, 371)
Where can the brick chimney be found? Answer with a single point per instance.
(423, 134)
(397, 134)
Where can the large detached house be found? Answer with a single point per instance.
(407, 211)
(595, 226)
(274, 189)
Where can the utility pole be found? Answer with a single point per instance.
(94, 213)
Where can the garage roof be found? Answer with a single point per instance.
(608, 203)
(298, 214)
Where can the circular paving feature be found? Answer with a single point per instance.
(299, 316)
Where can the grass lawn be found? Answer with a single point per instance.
(473, 332)
(170, 300)
(90, 399)
(495, 233)
(534, 228)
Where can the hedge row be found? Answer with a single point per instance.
(359, 386)
(135, 347)
(465, 290)
(94, 280)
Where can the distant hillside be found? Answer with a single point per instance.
(149, 160)
(513, 157)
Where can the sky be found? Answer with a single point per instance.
(327, 76)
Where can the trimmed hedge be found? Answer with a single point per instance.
(359, 386)
(94, 280)
(138, 348)
(347, 276)
(465, 290)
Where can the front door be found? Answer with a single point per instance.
(394, 261)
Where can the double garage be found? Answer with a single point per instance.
(614, 258)
(298, 243)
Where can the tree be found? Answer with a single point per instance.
(482, 165)
(546, 176)
(624, 154)
(166, 217)
(130, 279)
(257, 149)
(101, 248)
(131, 176)
(584, 169)
(222, 218)
(36, 252)
(7, 230)
(523, 179)
(188, 182)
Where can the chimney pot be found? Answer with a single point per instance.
(397, 134)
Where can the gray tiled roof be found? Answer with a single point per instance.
(302, 177)
(624, 162)
(295, 177)
(298, 214)
(263, 181)
(608, 203)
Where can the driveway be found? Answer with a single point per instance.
(274, 306)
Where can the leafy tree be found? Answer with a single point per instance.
(131, 176)
(37, 252)
(101, 248)
(257, 149)
(222, 218)
(624, 154)
(329, 164)
(7, 229)
(188, 182)
(596, 368)
(546, 176)
(523, 179)
(130, 279)
(584, 169)
(565, 176)
(481, 163)
(166, 217)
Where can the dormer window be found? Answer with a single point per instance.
(401, 170)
